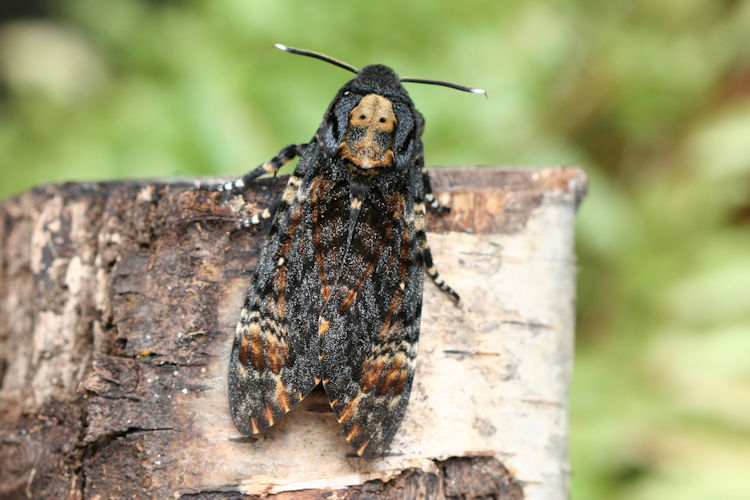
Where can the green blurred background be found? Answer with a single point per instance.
(651, 98)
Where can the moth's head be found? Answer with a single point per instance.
(372, 122)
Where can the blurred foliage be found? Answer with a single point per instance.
(652, 98)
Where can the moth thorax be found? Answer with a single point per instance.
(369, 137)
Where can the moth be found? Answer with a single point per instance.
(336, 297)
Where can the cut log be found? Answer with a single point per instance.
(118, 303)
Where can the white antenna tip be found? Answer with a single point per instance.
(478, 91)
(281, 47)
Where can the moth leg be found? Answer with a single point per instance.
(272, 166)
(252, 221)
(430, 269)
(432, 272)
(429, 197)
(282, 204)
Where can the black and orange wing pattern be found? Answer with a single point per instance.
(337, 293)
(370, 326)
(274, 362)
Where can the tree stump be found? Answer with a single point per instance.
(118, 303)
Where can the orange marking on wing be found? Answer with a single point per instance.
(403, 273)
(354, 432)
(284, 352)
(318, 187)
(347, 302)
(254, 423)
(281, 287)
(371, 377)
(362, 448)
(282, 397)
(365, 368)
(350, 409)
(286, 245)
(323, 327)
(256, 346)
(366, 365)
(349, 298)
(403, 267)
(243, 349)
(269, 414)
(395, 302)
(397, 201)
(402, 379)
(394, 372)
(275, 362)
(317, 190)
(291, 230)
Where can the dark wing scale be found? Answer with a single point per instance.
(329, 206)
(370, 324)
(274, 361)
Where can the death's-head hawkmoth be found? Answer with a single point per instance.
(336, 296)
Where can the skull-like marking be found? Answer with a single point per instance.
(369, 137)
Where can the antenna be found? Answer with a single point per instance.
(445, 84)
(349, 67)
(317, 55)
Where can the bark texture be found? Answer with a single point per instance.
(117, 308)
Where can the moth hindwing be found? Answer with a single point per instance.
(337, 293)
